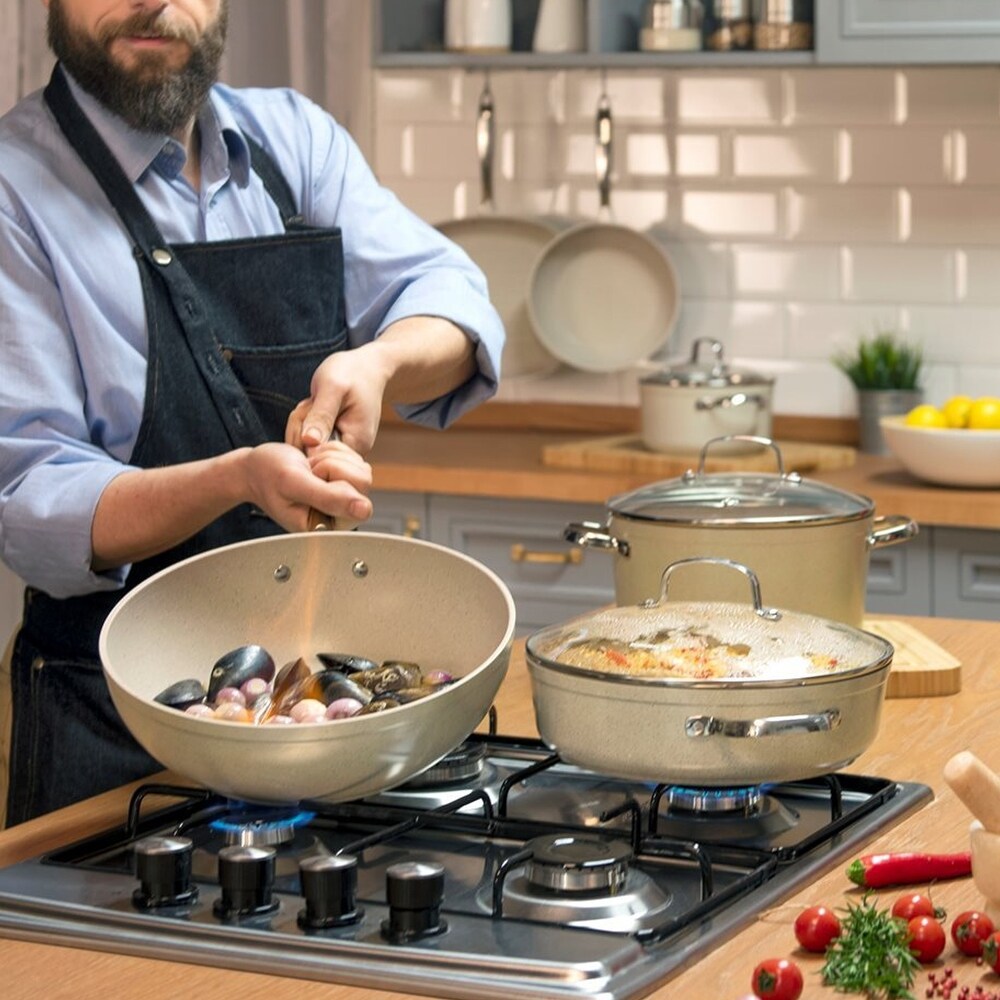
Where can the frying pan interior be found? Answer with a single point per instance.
(380, 596)
(603, 297)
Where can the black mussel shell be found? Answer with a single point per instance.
(405, 695)
(239, 665)
(380, 704)
(393, 675)
(182, 694)
(346, 663)
(325, 686)
(292, 673)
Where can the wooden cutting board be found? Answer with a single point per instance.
(920, 667)
(626, 453)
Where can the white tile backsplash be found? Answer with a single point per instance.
(801, 207)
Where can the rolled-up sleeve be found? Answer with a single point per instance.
(51, 475)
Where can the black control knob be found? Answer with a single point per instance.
(246, 877)
(163, 867)
(414, 891)
(330, 888)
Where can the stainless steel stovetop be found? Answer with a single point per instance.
(503, 871)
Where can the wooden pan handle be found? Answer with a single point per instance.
(977, 786)
(320, 522)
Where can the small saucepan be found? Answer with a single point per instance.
(707, 693)
(685, 405)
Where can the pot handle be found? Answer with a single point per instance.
(728, 402)
(792, 477)
(698, 726)
(769, 614)
(590, 534)
(892, 529)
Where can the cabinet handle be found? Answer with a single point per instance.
(520, 554)
(411, 526)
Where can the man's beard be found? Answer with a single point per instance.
(151, 96)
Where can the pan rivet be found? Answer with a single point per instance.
(360, 568)
(282, 574)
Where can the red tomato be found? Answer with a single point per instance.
(969, 930)
(912, 905)
(927, 938)
(816, 927)
(991, 951)
(777, 979)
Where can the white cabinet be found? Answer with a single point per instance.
(907, 31)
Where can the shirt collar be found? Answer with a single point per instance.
(223, 145)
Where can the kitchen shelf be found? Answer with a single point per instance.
(408, 35)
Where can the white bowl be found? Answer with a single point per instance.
(945, 456)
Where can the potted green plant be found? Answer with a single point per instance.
(885, 370)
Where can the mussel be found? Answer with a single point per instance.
(392, 676)
(346, 663)
(239, 665)
(325, 686)
(183, 694)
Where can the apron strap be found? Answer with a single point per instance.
(242, 424)
(274, 183)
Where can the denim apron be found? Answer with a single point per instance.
(236, 329)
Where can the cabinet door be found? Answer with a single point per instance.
(522, 542)
(908, 31)
(967, 573)
(899, 578)
(398, 514)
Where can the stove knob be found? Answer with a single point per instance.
(163, 867)
(246, 877)
(330, 886)
(414, 891)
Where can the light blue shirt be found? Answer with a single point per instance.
(72, 320)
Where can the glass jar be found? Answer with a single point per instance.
(729, 26)
(783, 25)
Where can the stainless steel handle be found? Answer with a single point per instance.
(590, 534)
(603, 161)
(726, 402)
(699, 726)
(792, 477)
(892, 529)
(485, 132)
(521, 554)
(768, 614)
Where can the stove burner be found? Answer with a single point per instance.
(463, 764)
(578, 863)
(746, 800)
(260, 826)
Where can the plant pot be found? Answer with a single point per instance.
(873, 404)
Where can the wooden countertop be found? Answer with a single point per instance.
(502, 457)
(916, 737)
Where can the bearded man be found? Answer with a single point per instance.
(205, 300)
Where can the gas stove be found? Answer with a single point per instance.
(499, 871)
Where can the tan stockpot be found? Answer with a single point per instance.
(780, 723)
(381, 596)
(685, 405)
(808, 542)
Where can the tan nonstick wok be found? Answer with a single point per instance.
(603, 296)
(380, 596)
(774, 696)
(505, 248)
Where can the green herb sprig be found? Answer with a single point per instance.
(872, 955)
(882, 362)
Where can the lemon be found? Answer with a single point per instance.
(926, 415)
(984, 414)
(956, 411)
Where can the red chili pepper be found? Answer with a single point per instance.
(873, 871)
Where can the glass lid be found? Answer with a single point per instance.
(706, 372)
(701, 643)
(738, 498)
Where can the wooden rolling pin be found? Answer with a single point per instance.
(977, 786)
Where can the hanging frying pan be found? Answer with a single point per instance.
(505, 248)
(603, 296)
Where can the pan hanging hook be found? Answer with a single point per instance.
(485, 139)
(603, 154)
